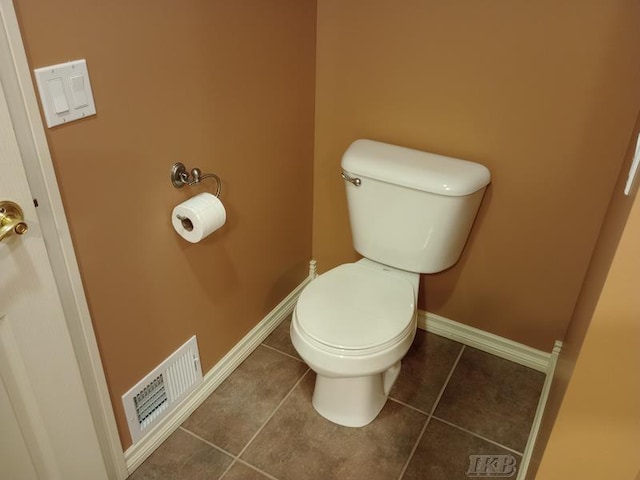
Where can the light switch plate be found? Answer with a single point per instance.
(65, 92)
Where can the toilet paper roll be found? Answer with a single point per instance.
(198, 217)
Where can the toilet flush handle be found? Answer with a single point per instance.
(356, 181)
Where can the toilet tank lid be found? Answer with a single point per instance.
(414, 169)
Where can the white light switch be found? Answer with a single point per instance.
(78, 91)
(65, 92)
(60, 104)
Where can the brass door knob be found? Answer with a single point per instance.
(11, 219)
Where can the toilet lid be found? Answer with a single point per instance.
(356, 307)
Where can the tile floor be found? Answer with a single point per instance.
(449, 402)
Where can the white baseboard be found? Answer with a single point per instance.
(138, 453)
(542, 403)
(485, 341)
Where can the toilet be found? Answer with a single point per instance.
(410, 213)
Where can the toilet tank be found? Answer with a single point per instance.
(410, 209)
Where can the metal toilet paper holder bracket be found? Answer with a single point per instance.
(180, 177)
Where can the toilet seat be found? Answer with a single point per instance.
(356, 310)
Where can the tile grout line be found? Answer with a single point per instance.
(236, 458)
(283, 353)
(195, 435)
(446, 382)
(262, 472)
(275, 410)
(409, 406)
(435, 404)
(415, 447)
(477, 435)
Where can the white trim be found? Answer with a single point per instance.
(542, 403)
(30, 134)
(138, 453)
(485, 341)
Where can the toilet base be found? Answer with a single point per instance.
(353, 401)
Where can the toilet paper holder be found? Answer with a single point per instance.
(181, 177)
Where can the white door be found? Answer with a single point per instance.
(46, 429)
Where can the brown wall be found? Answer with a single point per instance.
(543, 93)
(598, 284)
(227, 86)
(595, 434)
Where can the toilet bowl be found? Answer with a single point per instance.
(352, 325)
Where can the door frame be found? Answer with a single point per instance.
(15, 75)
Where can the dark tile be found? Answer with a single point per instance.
(492, 397)
(183, 456)
(236, 410)
(239, 471)
(280, 339)
(424, 370)
(443, 454)
(298, 443)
